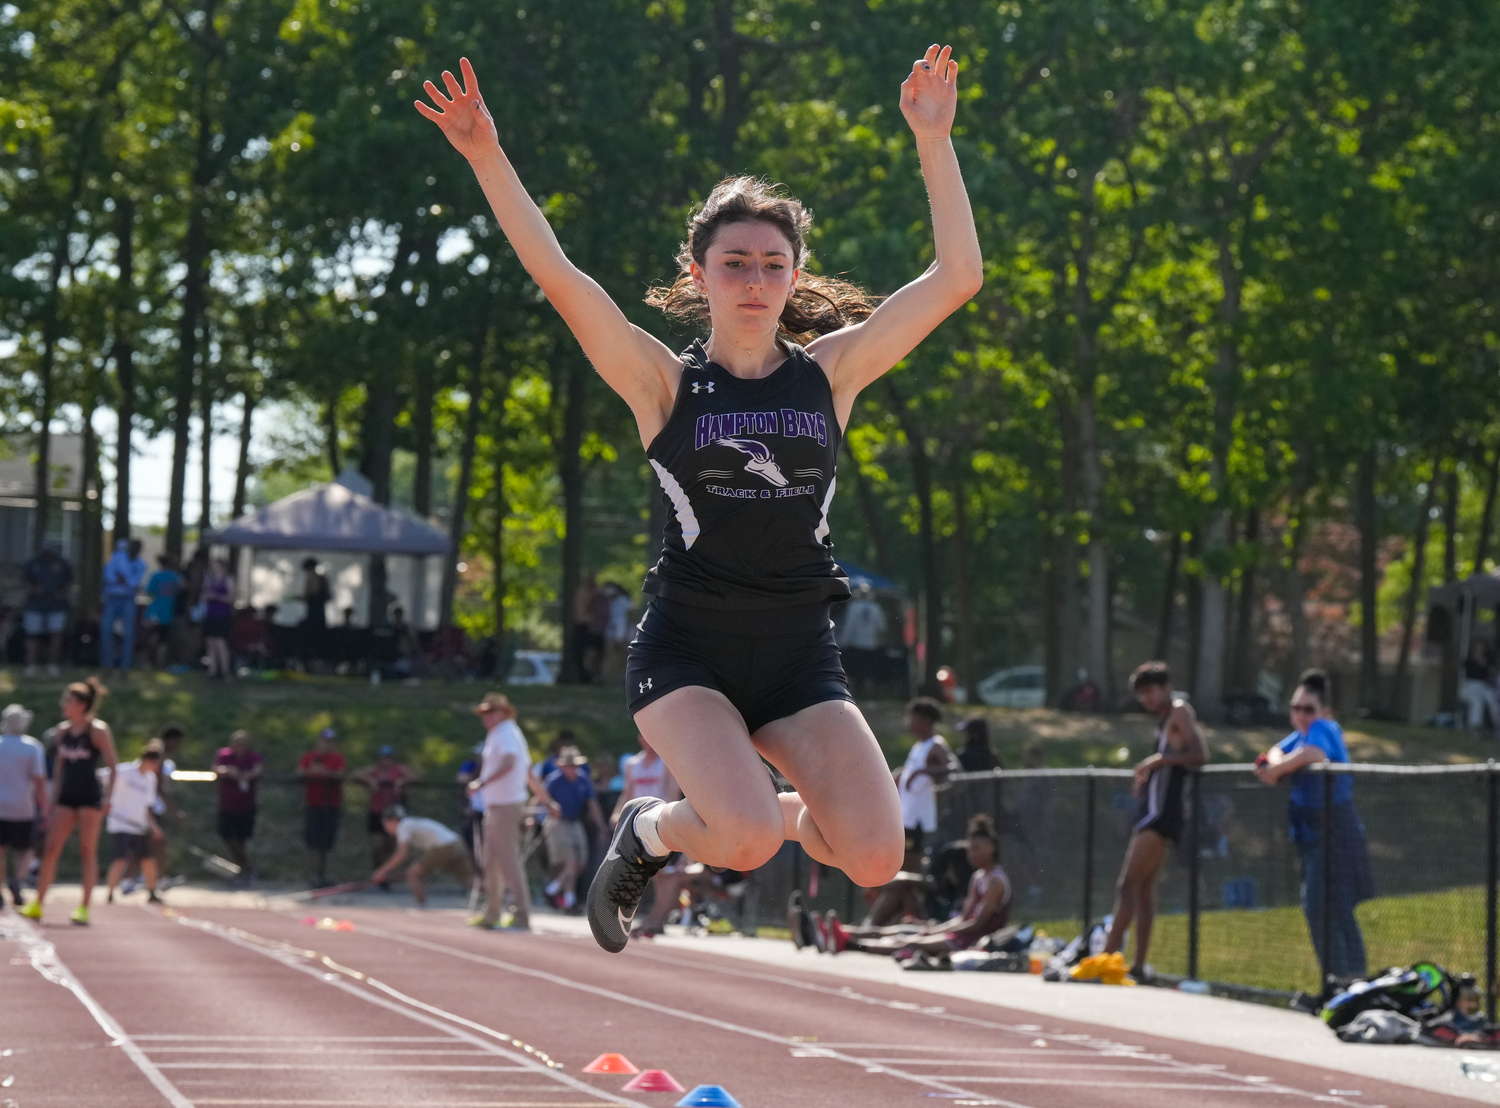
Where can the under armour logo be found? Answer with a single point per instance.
(646, 684)
(704, 386)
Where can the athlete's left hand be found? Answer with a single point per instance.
(929, 96)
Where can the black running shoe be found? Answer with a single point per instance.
(617, 888)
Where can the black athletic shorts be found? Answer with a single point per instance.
(320, 827)
(129, 846)
(1161, 808)
(17, 834)
(770, 664)
(236, 826)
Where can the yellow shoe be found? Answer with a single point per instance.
(80, 915)
(33, 910)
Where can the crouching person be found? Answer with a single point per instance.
(440, 850)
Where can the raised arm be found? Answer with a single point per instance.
(857, 355)
(633, 363)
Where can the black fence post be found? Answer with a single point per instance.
(1491, 873)
(1195, 780)
(1325, 925)
(1088, 854)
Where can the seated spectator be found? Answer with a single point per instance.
(977, 756)
(441, 849)
(986, 909)
(248, 638)
(1478, 690)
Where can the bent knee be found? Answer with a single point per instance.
(874, 862)
(749, 841)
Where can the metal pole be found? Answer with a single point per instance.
(1327, 846)
(1491, 873)
(1195, 781)
(1088, 855)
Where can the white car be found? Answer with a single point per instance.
(1017, 687)
(534, 667)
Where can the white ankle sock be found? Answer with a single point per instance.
(645, 830)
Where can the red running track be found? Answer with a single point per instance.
(243, 1007)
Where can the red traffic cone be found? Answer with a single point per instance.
(653, 1081)
(611, 1063)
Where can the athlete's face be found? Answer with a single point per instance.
(1154, 698)
(747, 275)
(980, 852)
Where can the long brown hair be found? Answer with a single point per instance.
(818, 306)
(89, 693)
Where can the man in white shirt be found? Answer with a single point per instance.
(503, 782)
(439, 847)
(23, 792)
(131, 824)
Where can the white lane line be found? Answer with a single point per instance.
(676, 1013)
(293, 1039)
(951, 1062)
(219, 1051)
(301, 1067)
(412, 1009)
(1101, 1046)
(408, 1104)
(44, 959)
(1074, 1083)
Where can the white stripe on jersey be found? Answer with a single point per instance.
(684, 508)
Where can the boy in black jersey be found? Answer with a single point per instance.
(1159, 780)
(735, 657)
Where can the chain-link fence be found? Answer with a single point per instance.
(1233, 905)
(1232, 902)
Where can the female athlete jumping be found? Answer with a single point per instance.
(735, 655)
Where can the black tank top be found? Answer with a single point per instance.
(747, 473)
(78, 767)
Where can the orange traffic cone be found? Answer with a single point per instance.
(611, 1063)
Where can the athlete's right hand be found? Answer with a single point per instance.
(462, 114)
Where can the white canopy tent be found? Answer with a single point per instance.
(337, 520)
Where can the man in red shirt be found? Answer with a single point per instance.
(322, 768)
(238, 767)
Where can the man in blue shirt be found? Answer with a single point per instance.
(123, 574)
(1347, 880)
(570, 793)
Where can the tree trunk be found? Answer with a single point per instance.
(205, 458)
(570, 473)
(421, 493)
(380, 421)
(1369, 584)
(874, 529)
(497, 556)
(249, 398)
(1448, 693)
(1293, 589)
(1246, 663)
(195, 255)
(458, 519)
(1487, 520)
(124, 355)
(1097, 653)
(927, 555)
(91, 553)
(1414, 594)
(963, 614)
(1169, 598)
(331, 437)
(1069, 621)
(1051, 632)
(1194, 613)
(46, 391)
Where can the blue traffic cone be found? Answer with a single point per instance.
(708, 1096)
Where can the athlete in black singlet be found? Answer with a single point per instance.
(1159, 782)
(735, 657)
(83, 744)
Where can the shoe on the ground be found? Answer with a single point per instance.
(80, 915)
(796, 919)
(838, 934)
(819, 931)
(109, 897)
(152, 898)
(513, 925)
(33, 910)
(616, 891)
(483, 924)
